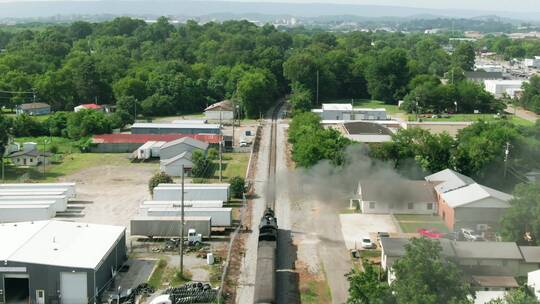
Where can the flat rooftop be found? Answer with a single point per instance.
(174, 126)
(58, 243)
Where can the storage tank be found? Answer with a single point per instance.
(192, 193)
(29, 146)
(71, 190)
(169, 226)
(25, 213)
(59, 203)
(221, 217)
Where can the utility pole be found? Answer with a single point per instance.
(221, 148)
(317, 87)
(506, 153)
(233, 121)
(182, 226)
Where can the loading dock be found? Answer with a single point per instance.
(73, 287)
(17, 288)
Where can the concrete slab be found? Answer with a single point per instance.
(356, 226)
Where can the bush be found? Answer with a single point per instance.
(238, 186)
(159, 178)
(213, 154)
(53, 149)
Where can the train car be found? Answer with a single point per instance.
(265, 277)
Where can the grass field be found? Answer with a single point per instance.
(64, 145)
(409, 223)
(234, 164)
(474, 117)
(68, 164)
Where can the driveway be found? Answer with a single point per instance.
(522, 113)
(356, 226)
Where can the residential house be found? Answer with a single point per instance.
(478, 260)
(30, 158)
(396, 196)
(88, 106)
(173, 166)
(33, 109)
(223, 110)
(179, 146)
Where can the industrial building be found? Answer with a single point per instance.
(179, 146)
(223, 110)
(480, 76)
(346, 111)
(532, 62)
(501, 88)
(127, 143)
(168, 128)
(58, 262)
(367, 132)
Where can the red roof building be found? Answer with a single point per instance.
(143, 138)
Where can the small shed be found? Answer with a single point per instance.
(173, 166)
(223, 110)
(33, 108)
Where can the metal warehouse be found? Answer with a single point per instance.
(58, 262)
(167, 128)
(127, 143)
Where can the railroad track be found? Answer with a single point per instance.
(272, 166)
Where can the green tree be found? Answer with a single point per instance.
(238, 186)
(388, 75)
(301, 99)
(159, 178)
(531, 94)
(366, 287)
(202, 166)
(523, 216)
(256, 91)
(424, 276)
(464, 56)
(522, 295)
(87, 123)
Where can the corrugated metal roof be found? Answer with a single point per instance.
(185, 154)
(34, 105)
(398, 191)
(448, 180)
(143, 138)
(174, 126)
(337, 107)
(487, 250)
(473, 193)
(188, 141)
(531, 254)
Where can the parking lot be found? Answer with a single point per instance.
(356, 226)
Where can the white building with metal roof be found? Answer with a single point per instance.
(170, 128)
(58, 262)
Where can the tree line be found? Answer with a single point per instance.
(166, 69)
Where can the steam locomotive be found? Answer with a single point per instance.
(265, 278)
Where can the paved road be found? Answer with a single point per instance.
(522, 113)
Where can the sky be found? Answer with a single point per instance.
(483, 5)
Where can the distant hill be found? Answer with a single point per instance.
(33, 9)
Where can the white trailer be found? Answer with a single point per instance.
(221, 217)
(156, 147)
(169, 226)
(42, 186)
(7, 193)
(25, 213)
(192, 193)
(145, 151)
(192, 204)
(56, 205)
(61, 201)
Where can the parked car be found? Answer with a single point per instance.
(368, 244)
(472, 236)
(430, 233)
(244, 143)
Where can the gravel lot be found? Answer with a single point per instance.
(356, 226)
(112, 194)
